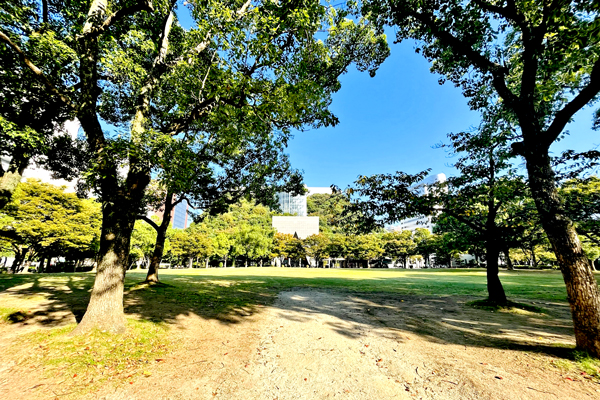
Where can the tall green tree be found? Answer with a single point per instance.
(398, 246)
(329, 208)
(47, 221)
(282, 247)
(365, 248)
(317, 247)
(542, 60)
(139, 84)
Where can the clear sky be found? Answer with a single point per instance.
(390, 123)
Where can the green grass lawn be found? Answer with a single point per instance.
(219, 292)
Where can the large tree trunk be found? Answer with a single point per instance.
(495, 290)
(105, 309)
(161, 237)
(582, 287)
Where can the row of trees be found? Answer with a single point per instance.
(43, 222)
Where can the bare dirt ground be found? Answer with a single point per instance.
(319, 345)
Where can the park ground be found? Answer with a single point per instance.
(268, 333)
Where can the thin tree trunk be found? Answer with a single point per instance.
(161, 237)
(18, 261)
(495, 290)
(509, 264)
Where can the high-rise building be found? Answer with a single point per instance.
(295, 205)
(180, 215)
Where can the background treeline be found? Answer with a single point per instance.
(48, 230)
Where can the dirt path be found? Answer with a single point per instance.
(320, 345)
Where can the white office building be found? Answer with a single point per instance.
(420, 221)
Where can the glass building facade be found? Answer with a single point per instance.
(295, 205)
(180, 216)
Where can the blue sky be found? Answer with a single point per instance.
(390, 123)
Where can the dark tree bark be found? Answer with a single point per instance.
(495, 290)
(18, 261)
(161, 236)
(105, 309)
(509, 264)
(582, 287)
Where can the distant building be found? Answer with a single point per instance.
(290, 204)
(301, 227)
(296, 205)
(180, 217)
(421, 221)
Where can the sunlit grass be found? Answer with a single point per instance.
(8, 314)
(527, 285)
(87, 361)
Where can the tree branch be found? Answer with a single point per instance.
(149, 221)
(584, 97)
(509, 12)
(479, 61)
(38, 72)
(183, 123)
(90, 31)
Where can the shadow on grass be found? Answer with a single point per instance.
(435, 310)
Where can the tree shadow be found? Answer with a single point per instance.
(58, 299)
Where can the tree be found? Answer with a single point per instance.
(542, 61)
(47, 221)
(329, 208)
(475, 202)
(143, 239)
(191, 244)
(297, 251)
(582, 204)
(222, 173)
(282, 247)
(338, 245)
(365, 247)
(317, 247)
(398, 245)
(27, 128)
(139, 84)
